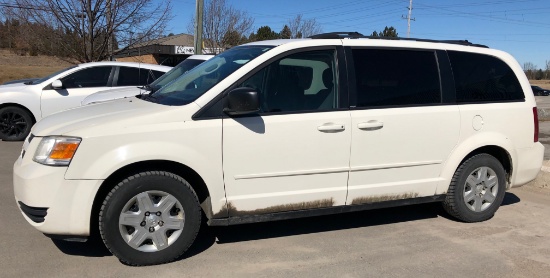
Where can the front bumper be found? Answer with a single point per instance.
(49, 202)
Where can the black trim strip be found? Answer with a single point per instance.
(236, 220)
(36, 214)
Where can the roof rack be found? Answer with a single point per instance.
(357, 35)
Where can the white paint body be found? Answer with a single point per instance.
(260, 162)
(42, 101)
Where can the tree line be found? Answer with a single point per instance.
(534, 73)
(92, 30)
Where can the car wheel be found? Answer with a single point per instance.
(477, 189)
(15, 123)
(150, 218)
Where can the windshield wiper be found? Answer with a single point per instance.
(149, 97)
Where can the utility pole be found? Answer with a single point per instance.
(198, 26)
(408, 18)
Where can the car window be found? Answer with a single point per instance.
(38, 81)
(396, 77)
(482, 78)
(88, 77)
(188, 87)
(175, 72)
(128, 76)
(298, 82)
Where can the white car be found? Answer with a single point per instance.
(282, 129)
(168, 77)
(23, 104)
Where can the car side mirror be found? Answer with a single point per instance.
(56, 84)
(242, 101)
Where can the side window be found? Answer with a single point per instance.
(482, 78)
(130, 76)
(298, 82)
(87, 78)
(153, 75)
(396, 77)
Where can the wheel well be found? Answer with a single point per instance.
(499, 153)
(153, 165)
(20, 106)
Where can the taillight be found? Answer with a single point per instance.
(536, 118)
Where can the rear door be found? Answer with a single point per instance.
(404, 124)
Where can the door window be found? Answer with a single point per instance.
(396, 77)
(298, 82)
(88, 77)
(128, 76)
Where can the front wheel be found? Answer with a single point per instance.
(477, 189)
(15, 123)
(150, 218)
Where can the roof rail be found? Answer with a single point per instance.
(357, 35)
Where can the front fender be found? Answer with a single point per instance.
(98, 158)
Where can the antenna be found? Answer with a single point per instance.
(408, 18)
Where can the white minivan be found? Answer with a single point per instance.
(282, 129)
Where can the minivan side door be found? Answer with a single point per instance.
(404, 123)
(293, 154)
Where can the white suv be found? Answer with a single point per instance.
(282, 129)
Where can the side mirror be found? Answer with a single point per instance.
(56, 84)
(242, 101)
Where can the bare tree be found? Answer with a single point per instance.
(222, 23)
(530, 70)
(303, 28)
(89, 30)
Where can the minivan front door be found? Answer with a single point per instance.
(294, 154)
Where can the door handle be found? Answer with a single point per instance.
(330, 127)
(371, 125)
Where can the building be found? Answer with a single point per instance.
(168, 51)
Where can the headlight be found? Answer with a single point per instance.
(57, 151)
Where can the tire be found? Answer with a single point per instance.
(477, 189)
(150, 218)
(15, 123)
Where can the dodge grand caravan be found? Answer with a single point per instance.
(281, 129)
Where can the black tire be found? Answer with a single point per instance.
(487, 193)
(15, 123)
(153, 184)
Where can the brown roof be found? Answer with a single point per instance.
(181, 39)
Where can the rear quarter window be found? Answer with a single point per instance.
(483, 78)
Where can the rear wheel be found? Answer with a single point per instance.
(15, 123)
(150, 218)
(477, 189)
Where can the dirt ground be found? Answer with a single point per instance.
(13, 66)
(545, 84)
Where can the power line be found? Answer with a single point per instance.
(16, 6)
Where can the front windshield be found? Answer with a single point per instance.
(174, 73)
(51, 75)
(200, 79)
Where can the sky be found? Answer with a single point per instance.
(519, 27)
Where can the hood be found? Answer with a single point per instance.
(113, 94)
(111, 117)
(13, 87)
